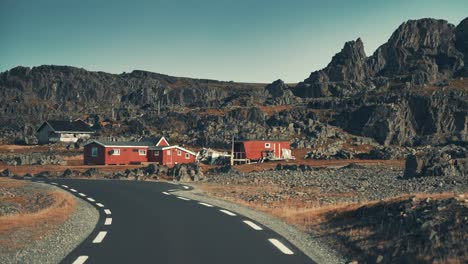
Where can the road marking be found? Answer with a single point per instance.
(91, 200)
(107, 211)
(228, 212)
(80, 260)
(172, 190)
(53, 183)
(183, 198)
(82, 194)
(205, 204)
(100, 204)
(100, 237)
(64, 186)
(73, 190)
(108, 221)
(252, 225)
(281, 246)
(41, 181)
(166, 193)
(186, 187)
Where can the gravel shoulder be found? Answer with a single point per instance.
(307, 243)
(57, 244)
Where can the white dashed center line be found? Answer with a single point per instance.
(100, 237)
(166, 193)
(186, 187)
(91, 200)
(183, 198)
(73, 190)
(107, 211)
(227, 212)
(252, 225)
(41, 181)
(100, 204)
(80, 260)
(53, 183)
(64, 186)
(205, 204)
(82, 194)
(281, 246)
(108, 221)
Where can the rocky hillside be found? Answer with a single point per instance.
(411, 92)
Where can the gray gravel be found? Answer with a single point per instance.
(57, 245)
(307, 243)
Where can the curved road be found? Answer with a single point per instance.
(143, 222)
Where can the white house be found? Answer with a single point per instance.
(54, 131)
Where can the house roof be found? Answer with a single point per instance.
(170, 147)
(122, 143)
(68, 126)
(154, 140)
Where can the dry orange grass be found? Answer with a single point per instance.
(35, 225)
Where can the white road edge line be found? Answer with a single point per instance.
(100, 237)
(41, 181)
(108, 221)
(91, 200)
(205, 204)
(80, 260)
(252, 225)
(100, 204)
(280, 246)
(227, 212)
(64, 186)
(166, 193)
(82, 194)
(73, 190)
(183, 198)
(107, 211)
(53, 183)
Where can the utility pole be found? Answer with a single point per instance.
(232, 151)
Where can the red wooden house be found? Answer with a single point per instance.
(150, 150)
(245, 151)
(113, 153)
(171, 155)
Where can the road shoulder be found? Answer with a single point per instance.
(55, 245)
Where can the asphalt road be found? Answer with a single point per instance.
(150, 225)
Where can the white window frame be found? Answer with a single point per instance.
(187, 155)
(179, 152)
(94, 152)
(267, 145)
(156, 153)
(115, 152)
(142, 152)
(168, 152)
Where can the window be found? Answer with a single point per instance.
(169, 152)
(142, 152)
(179, 153)
(135, 150)
(187, 156)
(156, 153)
(116, 152)
(94, 152)
(267, 145)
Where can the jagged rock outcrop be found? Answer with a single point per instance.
(280, 94)
(418, 52)
(442, 161)
(346, 74)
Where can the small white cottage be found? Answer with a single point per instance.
(54, 131)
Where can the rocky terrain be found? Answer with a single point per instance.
(411, 93)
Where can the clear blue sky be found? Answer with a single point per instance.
(240, 40)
